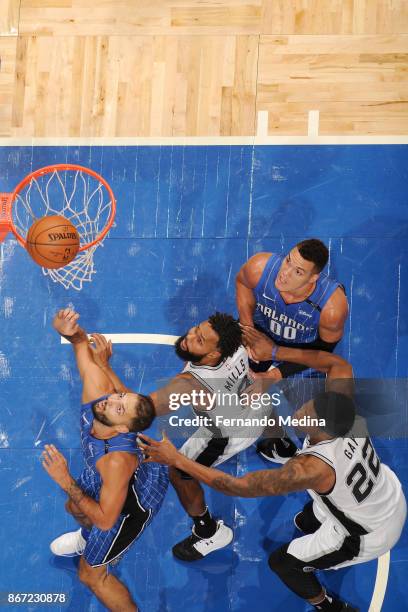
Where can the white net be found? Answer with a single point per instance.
(79, 197)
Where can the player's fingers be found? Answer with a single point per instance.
(147, 439)
(252, 354)
(46, 466)
(250, 333)
(53, 451)
(94, 339)
(46, 460)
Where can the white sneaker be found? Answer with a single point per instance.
(194, 547)
(69, 544)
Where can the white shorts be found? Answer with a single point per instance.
(330, 537)
(209, 450)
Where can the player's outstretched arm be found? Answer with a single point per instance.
(95, 382)
(101, 349)
(298, 474)
(262, 348)
(167, 398)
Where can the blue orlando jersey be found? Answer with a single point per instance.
(150, 480)
(289, 323)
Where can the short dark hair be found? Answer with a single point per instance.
(338, 410)
(314, 250)
(145, 414)
(229, 332)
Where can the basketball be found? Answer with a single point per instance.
(52, 241)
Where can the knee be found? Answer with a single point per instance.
(88, 576)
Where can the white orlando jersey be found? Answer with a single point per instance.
(366, 492)
(228, 380)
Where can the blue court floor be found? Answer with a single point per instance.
(187, 218)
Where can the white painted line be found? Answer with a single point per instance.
(201, 141)
(313, 123)
(262, 123)
(381, 579)
(137, 339)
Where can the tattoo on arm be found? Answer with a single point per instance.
(292, 477)
(228, 485)
(75, 493)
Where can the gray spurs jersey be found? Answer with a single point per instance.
(227, 380)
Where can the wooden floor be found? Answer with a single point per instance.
(202, 68)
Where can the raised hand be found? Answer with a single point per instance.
(162, 451)
(101, 350)
(258, 345)
(66, 322)
(55, 464)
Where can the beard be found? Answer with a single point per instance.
(185, 355)
(101, 417)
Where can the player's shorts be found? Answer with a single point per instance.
(207, 449)
(104, 547)
(331, 547)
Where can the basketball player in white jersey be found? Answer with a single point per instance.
(357, 509)
(216, 363)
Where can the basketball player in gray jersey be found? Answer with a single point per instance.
(357, 509)
(289, 299)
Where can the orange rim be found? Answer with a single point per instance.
(47, 170)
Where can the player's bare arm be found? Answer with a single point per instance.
(339, 371)
(298, 474)
(95, 381)
(102, 352)
(115, 470)
(333, 317)
(247, 279)
(261, 347)
(182, 383)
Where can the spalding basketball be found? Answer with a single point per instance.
(52, 241)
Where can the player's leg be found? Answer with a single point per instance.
(295, 564)
(108, 547)
(189, 492)
(110, 591)
(207, 534)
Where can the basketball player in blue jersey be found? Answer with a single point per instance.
(357, 508)
(116, 496)
(291, 301)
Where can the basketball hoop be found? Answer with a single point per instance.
(77, 193)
